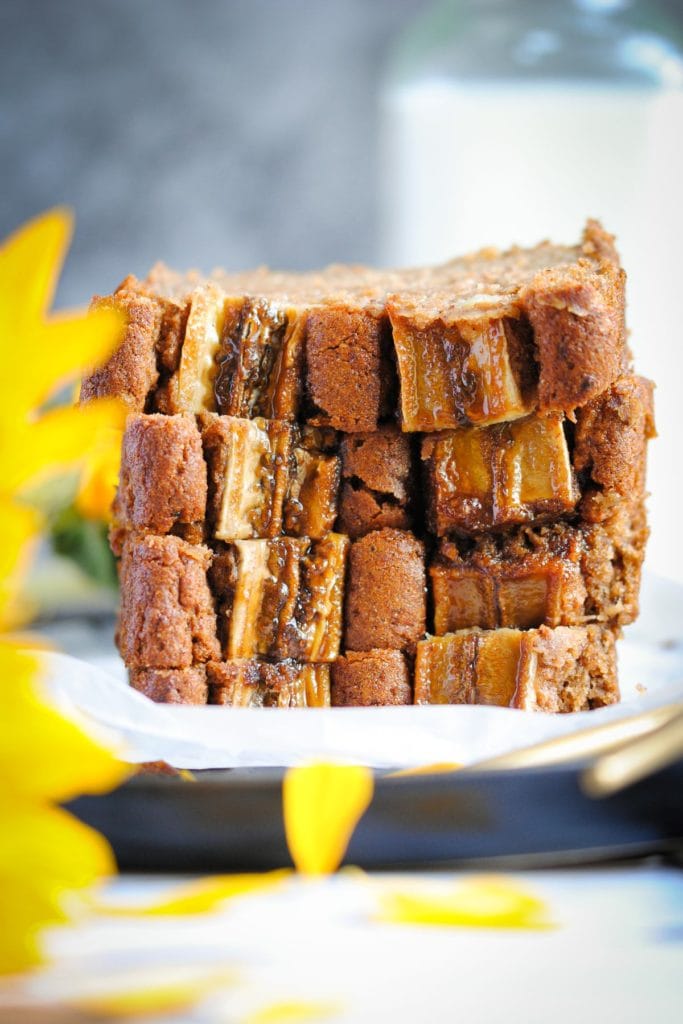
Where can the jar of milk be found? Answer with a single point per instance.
(510, 121)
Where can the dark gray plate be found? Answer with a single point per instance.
(232, 820)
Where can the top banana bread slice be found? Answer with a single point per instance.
(482, 339)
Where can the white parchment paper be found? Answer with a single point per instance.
(651, 674)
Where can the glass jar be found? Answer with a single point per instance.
(510, 121)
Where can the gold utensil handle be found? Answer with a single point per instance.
(583, 744)
(643, 756)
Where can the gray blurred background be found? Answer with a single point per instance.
(199, 133)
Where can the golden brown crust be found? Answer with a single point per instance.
(171, 685)
(378, 482)
(162, 484)
(385, 593)
(371, 679)
(131, 372)
(347, 369)
(167, 618)
(577, 316)
(610, 445)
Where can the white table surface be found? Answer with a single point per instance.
(615, 955)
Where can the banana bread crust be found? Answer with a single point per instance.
(171, 685)
(162, 484)
(167, 618)
(378, 482)
(371, 679)
(385, 596)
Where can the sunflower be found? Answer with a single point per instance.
(46, 856)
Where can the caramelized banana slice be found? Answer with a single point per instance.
(248, 464)
(472, 370)
(482, 478)
(281, 598)
(490, 590)
(321, 599)
(563, 669)
(249, 683)
(191, 390)
(310, 506)
(259, 363)
(263, 482)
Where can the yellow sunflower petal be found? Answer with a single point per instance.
(30, 262)
(480, 902)
(200, 896)
(61, 349)
(293, 1012)
(19, 528)
(57, 441)
(99, 477)
(322, 804)
(46, 855)
(42, 754)
(50, 849)
(171, 995)
(19, 942)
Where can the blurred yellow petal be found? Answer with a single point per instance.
(45, 855)
(480, 902)
(293, 1012)
(99, 478)
(19, 945)
(77, 854)
(62, 348)
(30, 263)
(172, 995)
(19, 528)
(322, 804)
(200, 896)
(57, 441)
(42, 754)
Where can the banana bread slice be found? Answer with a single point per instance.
(487, 338)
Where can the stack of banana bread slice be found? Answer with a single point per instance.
(366, 487)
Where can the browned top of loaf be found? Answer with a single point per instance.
(476, 281)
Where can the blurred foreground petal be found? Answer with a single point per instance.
(57, 441)
(322, 804)
(480, 902)
(19, 527)
(201, 896)
(293, 1012)
(30, 262)
(44, 756)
